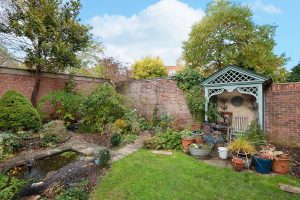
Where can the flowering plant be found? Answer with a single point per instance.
(268, 152)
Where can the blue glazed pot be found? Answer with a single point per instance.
(262, 166)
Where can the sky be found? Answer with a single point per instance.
(133, 29)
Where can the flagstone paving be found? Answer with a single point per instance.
(128, 149)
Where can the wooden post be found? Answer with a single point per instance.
(206, 104)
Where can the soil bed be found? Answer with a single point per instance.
(99, 139)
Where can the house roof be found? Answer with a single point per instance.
(234, 75)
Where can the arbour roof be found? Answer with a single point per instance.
(234, 75)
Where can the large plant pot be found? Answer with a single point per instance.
(238, 164)
(198, 152)
(262, 166)
(186, 142)
(280, 164)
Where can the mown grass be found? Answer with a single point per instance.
(144, 175)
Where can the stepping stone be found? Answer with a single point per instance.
(87, 151)
(289, 188)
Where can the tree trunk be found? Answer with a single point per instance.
(36, 88)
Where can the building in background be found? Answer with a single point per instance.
(172, 70)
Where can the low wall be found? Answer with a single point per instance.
(23, 80)
(161, 94)
(282, 114)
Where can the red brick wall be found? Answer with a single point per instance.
(23, 81)
(282, 114)
(161, 93)
(282, 102)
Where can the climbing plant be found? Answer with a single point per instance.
(189, 81)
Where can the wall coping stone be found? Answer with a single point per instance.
(30, 72)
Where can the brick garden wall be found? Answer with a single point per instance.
(162, 94)
(282, 114)
(282, 101)
(23, 81)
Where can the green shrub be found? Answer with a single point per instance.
(168, 140)
(133, 122)
(54, 131)
(196, 101)
(145, 124)
(188, 80)
(119, 126)
(160, 123)
(8, 188)
(115, 139)
(212, 113)
(12, 142)
(104, 157)
(70, 85)
(61, 105)
(128, 138)
(73, 193)
(255, 134)
(77, 192)
(17, 113)
(49, 140)
(103, 106)
(165, 121)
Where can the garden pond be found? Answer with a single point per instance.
(40, 168)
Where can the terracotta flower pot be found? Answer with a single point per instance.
(238, 164)
(280, 164)
(186, 142)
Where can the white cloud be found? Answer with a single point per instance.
(158, 30)
(265, 7)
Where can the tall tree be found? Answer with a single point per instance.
(149, 67)
(294, 76)
(48, 32)
(227, 35)
(7, 59)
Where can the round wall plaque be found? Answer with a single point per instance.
(237, 101)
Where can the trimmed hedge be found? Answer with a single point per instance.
(17, 113)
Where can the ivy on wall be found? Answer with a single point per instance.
(189, 81)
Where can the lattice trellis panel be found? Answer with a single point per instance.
(212, 92)
(248, 90)
(232, 76)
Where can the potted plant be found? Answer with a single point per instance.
(242, 148)
(186, 139)
(200, 150)
(280, 163)
(198, 137)
(263, 160)
(238, 164)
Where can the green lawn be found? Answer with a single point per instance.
(144, 175)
